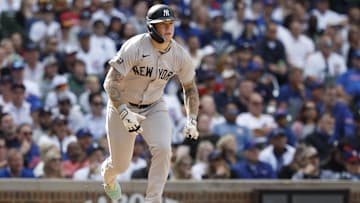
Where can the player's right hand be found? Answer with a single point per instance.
(131, 119)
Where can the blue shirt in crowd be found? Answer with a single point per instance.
(25, 173)
(260, 170)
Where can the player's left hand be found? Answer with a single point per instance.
(190, 130)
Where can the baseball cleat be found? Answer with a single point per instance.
(113, 192)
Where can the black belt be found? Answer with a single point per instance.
(140, 106)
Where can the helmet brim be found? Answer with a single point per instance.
(161, 20)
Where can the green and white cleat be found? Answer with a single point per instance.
(113, 193)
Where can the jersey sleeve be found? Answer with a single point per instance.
(187, 70)
(125, 58)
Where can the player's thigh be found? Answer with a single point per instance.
(158, 130)
(121, 143)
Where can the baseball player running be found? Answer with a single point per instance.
(134, 85)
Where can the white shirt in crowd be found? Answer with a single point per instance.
(35, 75)
(134, 165)
(54, 140)
(101, 15)
(96, 125)
(329, 16)
(94, 63)
(315, 66)
(20, 115)
(105, 44)
(298, 49)
(40, 31)
(267, 155)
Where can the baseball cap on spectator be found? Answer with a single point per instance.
(93, 148)
(17, 65)
(84, 33)
(244, 46)
(85, 15)
(70, 49)
(356, 54)
(216, 14)
(68, 19)
(281, 112)
(253, 66)
(215, 155)
(251, 144)
(268, 2)
(351, 156)
(50, 60)
(59, 81)
(228, 73)
(31, 46)
(83, 132)
(316, 85)
(45, 111)
(277, 132)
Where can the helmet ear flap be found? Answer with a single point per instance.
(154, 34)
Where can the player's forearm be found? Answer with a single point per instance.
(191, 99)
(112, 87)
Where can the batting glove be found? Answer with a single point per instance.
(190, 130)
(131, 120)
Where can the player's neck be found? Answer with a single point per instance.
(162, 47)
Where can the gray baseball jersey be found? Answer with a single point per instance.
(147, 71)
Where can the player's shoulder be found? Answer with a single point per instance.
(135, 41)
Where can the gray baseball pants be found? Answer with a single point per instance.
(157, 134)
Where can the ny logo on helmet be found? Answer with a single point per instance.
(166, 12)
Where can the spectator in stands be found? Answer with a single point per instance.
(227, 94)
(85, 139)
(44, 124)
(60, 135)
(138, 17)
(251, 167)
(215, 34)
(306, 121)
(278, 154)
(45, 27)
(182, 168)
(5, 90)
(350, 80)
(107, 11)
(321, 138)
(281, 119)
(229, 126)
(344, 122)
(76, 159)
(96, 117)
(59, 89)
(76, 78)
(272, 51)
(353, 44)
(33, 69)
(71, 112)
(92, 86)
(201, 161)
(51, 49)
(19, 108)
(237, 20)
(51, 67)
(312, 169)
(260, 124)
(325, 15)
(102, 42)
(298, 46)
(324, 65)
(114, 31)
(217, 168)
(52, 167)
(186, 28)
(208, 107)
(335, 163)
(293, 94)
(352, 165)
(7, 128)
(91, 172)
(15, 167)
(298, 163)
(3, 153)
(249, 34)
(17, 67)
(28, 148)
(227, 144)
(245, 90)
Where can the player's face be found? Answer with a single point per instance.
(166, 29)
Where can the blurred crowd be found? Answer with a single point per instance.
(279, 85)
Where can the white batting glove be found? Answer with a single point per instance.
(131, 120)
(190, 130)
